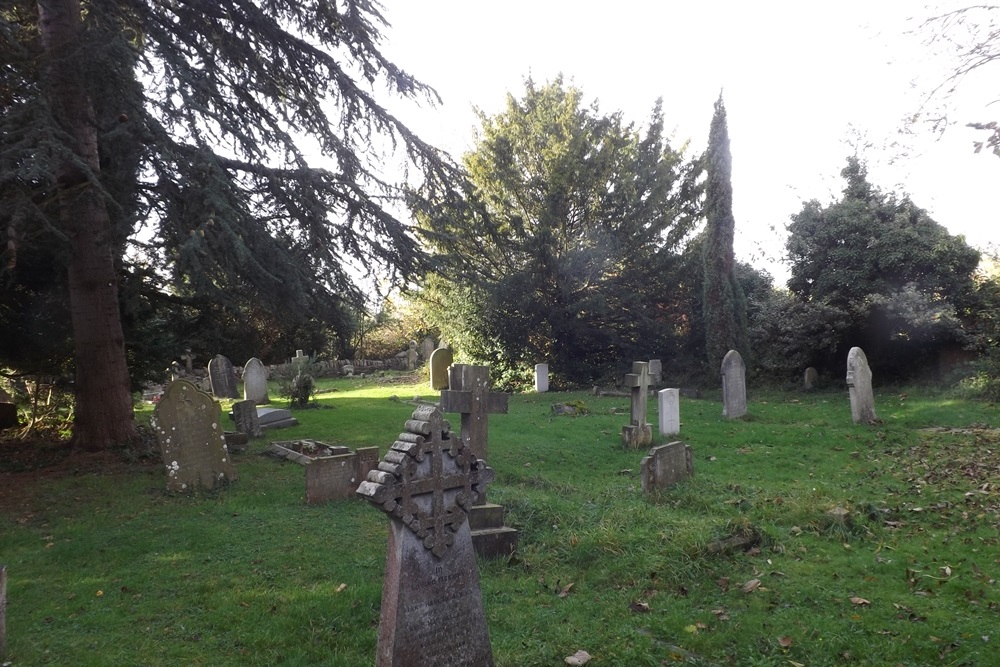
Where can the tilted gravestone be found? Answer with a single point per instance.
(189, 431)
(245, 416)
(810, 378)
(734, 385)
(469, 394)
(441, 359)
(541, 378)
(255, 382)
(432, 611)
(669, 403)
(859, 386)
(666, 465)
(223, 377)
(638, 433)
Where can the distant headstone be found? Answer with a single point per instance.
(411, 356)
(188, 429)
(638, 433)
(299, 361)
(427, 348)
(441, 359)
(255, 382)
(734, 385)
(809, 379)
(655, 371)
(8, 415)
(859, 386)
(669, 404)
(245, 416)
(432, 611)
(666, 465)
(188, 360)
(541, 378)
(222, 377)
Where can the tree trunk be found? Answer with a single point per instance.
(103, 413)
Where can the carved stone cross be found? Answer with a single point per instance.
(469, 394)
(638, 433)
(428, 480)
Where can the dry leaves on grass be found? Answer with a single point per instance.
(566, 590)
(579, 658)
(751, 586)
(860, 602)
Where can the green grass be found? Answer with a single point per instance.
(105, 568)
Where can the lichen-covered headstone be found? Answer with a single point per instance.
(222, 376)
(859, 386)
(189, 431)
(669, 403)
(255, 382)
(666, 465)
(638, 433)
(432, 611)
(441, 359)
(734, 385)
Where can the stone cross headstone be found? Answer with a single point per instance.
(809, 378)
(411, 356)
(668, 402)
(638, 433)
(245, 416)
(441, 359)
(189, 431)
(859, 386)
(222, 377)
(734, 385)
(666, 465)
(656, 371)
(427, 348)
(541, 378)
(255, 382)
(432, 611)
(469, 394)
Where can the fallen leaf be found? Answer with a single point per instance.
(341, 588)
(566, 590)
(100, 594)
(861, 602)
(785, 642)
(639, 607)
(578, 658)
(751, 586)
(723, 583)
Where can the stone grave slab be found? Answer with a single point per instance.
(734, 385)
(666, 465)
(270, 418)
(432, 611)
(189, 431)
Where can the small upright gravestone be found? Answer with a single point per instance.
(859, 386)
(655, 371)
(541, 378)
(432, 611)
(222, 377)
(666, 465)
(734, 385)
(188, 429)
(669, 403)
(638, 433)
(245, 416)
(427, 348)
(440, 361)
(255, 382)
(809, 379)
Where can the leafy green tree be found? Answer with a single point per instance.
(561, 249)
(900, 277)
(725, 310)
(158, 144)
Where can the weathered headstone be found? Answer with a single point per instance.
(666, 465)
(411, 356)
(859, 386)
(188, 429)
(332, 478)
(188, 360)
(441, 359)
(669, 404)
(8, 415)
(541, 378)
(655, 371)
(255, 382)
(222, 376)
(245, 416)
(734, 385)
(638, 433)
(427, 348)
(809, 378)
(469, 394)
(432, 611)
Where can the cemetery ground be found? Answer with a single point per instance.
(803, 539)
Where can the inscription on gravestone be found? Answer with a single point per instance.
(432, 611)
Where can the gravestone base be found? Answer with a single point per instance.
(637, 437)
(236, 443)
(490, 537)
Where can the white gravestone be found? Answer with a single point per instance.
(668, 402)
(541, 378)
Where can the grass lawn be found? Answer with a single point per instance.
(106, 568)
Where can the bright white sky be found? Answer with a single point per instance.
(799, 80)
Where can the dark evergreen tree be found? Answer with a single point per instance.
(155, 148)
(725, 310)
